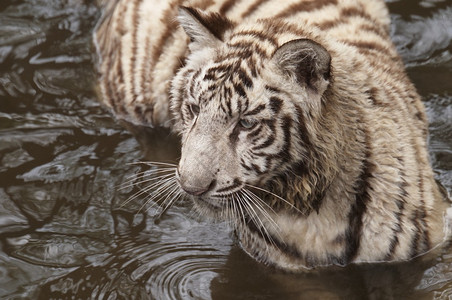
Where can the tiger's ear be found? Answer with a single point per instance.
(205, 29)
(306, 61)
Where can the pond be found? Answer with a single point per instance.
(65, 165)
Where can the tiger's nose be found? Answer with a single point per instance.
(198, 189)
(194, 185)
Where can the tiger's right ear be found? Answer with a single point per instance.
(205, 29)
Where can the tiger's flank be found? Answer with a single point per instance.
(298, 123)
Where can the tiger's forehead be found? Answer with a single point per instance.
(229, 87)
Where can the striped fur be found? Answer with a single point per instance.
(308, 100)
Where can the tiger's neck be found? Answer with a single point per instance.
(324, 228)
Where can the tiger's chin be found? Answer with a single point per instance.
(213, 208)
(209, 203)
(235, 207)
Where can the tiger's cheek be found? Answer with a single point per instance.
(253, 154)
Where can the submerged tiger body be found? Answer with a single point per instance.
(307, 100)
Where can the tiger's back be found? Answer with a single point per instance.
(141, 45)
(367, 191)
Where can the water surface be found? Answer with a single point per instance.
(63, 230)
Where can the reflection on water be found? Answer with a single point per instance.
(64, 231)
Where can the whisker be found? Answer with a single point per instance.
(163, 188)
(258, 202)
(141, 179)
(132, 183)
(255, 218)
(149, 182)
(251, 194)
(273, 194)
(238, 204)
(148, 188)
(159, 191)
(232, 211)
(147, 173)
(193, 213)
(152, 163)
(171, 198)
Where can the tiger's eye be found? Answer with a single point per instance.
(247, 124)
(194, 109)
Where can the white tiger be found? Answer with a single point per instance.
(297, 121)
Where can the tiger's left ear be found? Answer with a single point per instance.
(306, 61)
(205, 29)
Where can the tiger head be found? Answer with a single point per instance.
(246, 104)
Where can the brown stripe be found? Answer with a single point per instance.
(307, 258)
(404, 96)
(275, 104)
(238, 88)
(120, 28)
(253, 135)
(116, 82)
(304, 6)
(133, 60)
(325, 25)
(421, 240)
(204, 4)
(416, 236)
(192, 81)
(275, 27)
(236, 183)
(147, 62)
(176, 102)
(216, 23)
(255, 111)
(244, 78)
(247, 49)
(303, 132)
(422, 212)
(268, 142)
(139, 113)
(252, 66)
(116, 76)
(252, 8)
(272, 89)
(158, 47)
(256, 35)
(269, 239)
(372, 27)
(387, 62)
(370, 45)
(359, 207)
(400, 202)
(350, 12)
(256, 169)
(226, 6)
(243, 164)
(353, 11)
(284, 154)
(377, 99)
(226, 101)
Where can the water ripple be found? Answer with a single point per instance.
(145, 271)
(424, 40)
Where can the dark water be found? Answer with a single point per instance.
(63, 231)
